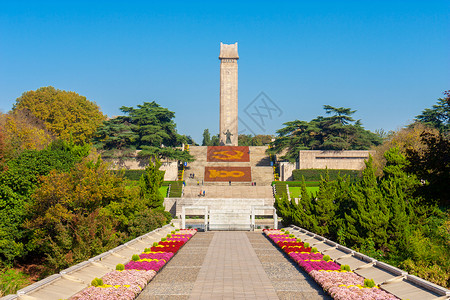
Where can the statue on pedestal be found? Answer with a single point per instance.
(228, 134)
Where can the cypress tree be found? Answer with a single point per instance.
(397, 187)
(302, 212)
(150, 183)
(324, 208)
(370, 216)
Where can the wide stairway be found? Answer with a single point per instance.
(227, 184)
(259, 163)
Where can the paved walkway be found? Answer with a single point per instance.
(231, 265)
(231, 270)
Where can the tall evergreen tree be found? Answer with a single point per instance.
(397, 187)
(150, 183)
(324, 208)
(369, 219)
(302, 212)
(206, 138)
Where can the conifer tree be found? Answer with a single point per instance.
(150, 183)
(369, 219)
(302, 213)
(284, 211)
(324, 208)
(397, 187)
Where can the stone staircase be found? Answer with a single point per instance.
(262, 172)
(226, 191)
(228, 206)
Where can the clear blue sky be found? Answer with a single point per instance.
(386, 59)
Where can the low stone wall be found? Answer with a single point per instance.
(323, 159)
(343, 160)
(136, 163)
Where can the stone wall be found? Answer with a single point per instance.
(344, 160)
(136, 163)
(286, 169)
(322, 159)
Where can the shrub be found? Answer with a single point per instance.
(314, 250)
(169, 235)
(135, 257)
(282, 230)
(155, 244)
(299, 240)
(345, 268)
(326, 258)
(97, 282)
(314, 174)
(306, 245)
(291, 235)
(12, 280)
(177, 229)
(148, 249)
(286, 232)
(172, 232)
(120, 267)
(369, 283)
(163, 239)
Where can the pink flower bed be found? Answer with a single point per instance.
(309, 266)
(128, 283)
(106, 293)
(332, 279)
(354, 292)
(339, 284)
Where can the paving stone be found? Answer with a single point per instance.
(231, 265)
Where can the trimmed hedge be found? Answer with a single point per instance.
(298, 183)
(134, 175)
(314, 174)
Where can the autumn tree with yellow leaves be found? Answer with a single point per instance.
(67, 115)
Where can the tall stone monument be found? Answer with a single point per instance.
(228, 94)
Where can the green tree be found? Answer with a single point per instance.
(439, 115)
(284, 209)
(369, 219)
(149, 128)
(65, 114)
(324, 208)
(302, 214)
(336, 132)
(68, 216)
(398, 187)
(18, 181)
(432, 165)
(206, 138)
(150, 183)
(254, 140)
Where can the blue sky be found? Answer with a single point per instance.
(386, 59)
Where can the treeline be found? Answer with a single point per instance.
(61, 205)
(243, 139)
(398, 211)
(59, 202)
(336, 131)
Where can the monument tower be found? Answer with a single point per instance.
(228, 94)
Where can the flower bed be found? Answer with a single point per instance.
(337, 280)
(128, 280)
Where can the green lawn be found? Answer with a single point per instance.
(295, 191)
(163, 190)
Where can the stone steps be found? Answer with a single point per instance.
(262, 172)
(226, 191)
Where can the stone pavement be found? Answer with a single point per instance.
(231, 265)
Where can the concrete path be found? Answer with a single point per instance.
(231, 270)
(231, 265)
